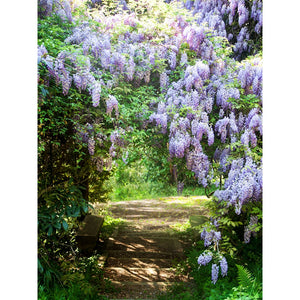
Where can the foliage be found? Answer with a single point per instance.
(233, 286)
(75, 275)
(247, 281)
(110, 224)
(83, 278)
(179, 291)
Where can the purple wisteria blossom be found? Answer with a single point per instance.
(214, 273)
(194, 36)
(164, 81)
(117, 137)
(224, 266)
(210, 237)
(96, 92)
(250, 229)
(178, 144)
(204, 259)
(196, 75)
(243, 13)
(161, 120)
(244, 184)
(91, 146)
(198, 163)
(221, 128)
(112, 103)
(172, 60)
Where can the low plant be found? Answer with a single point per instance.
(180, 291)
(65, 293)
(81, 278)
(110, 224)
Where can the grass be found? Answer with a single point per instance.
(110, 224)
(150, 190)
(188, 201)
(133, 183)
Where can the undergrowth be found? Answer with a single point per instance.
(241, 282)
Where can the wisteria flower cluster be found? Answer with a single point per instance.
(250, 77)
(206, 258)
(58, 7)
(244, 184)
(132, 57)
(250, 229)
(117, 141)
(210, 237)
(223, 17)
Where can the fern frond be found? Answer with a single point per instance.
(245, 278)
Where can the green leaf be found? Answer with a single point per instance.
(57, 225)
(245, 278)
(65, 225)
(50, 230)
(40, 267)
(77, 212)
(85, 208)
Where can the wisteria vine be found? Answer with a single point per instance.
(201, 112)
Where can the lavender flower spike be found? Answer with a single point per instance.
(204, 259)
(214, 273)
(224, 266)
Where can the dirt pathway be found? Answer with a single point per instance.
(142, 254)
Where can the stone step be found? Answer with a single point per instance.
(163, 221)
(88, 232)
(168, 233)
(147, 254)
(143, 274)
(140, 290)
(141, 262)
(143, 213)
(153, 224)
(149, 244)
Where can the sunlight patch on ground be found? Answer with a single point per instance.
(185, 201)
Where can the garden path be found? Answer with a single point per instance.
(142, 254)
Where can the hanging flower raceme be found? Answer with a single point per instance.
(194, 36)
(250, 229)
(204, 259)
(161, 120)
(250, 76)
(164, 81)
(200, 128)
(244, 184)
(112, 103)
(198, 163)
(214, 273)
(224, 266)
(179, 144)
(96, 92)
(60, 8)
(196, 75)
(210, 237)
(220, 16)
